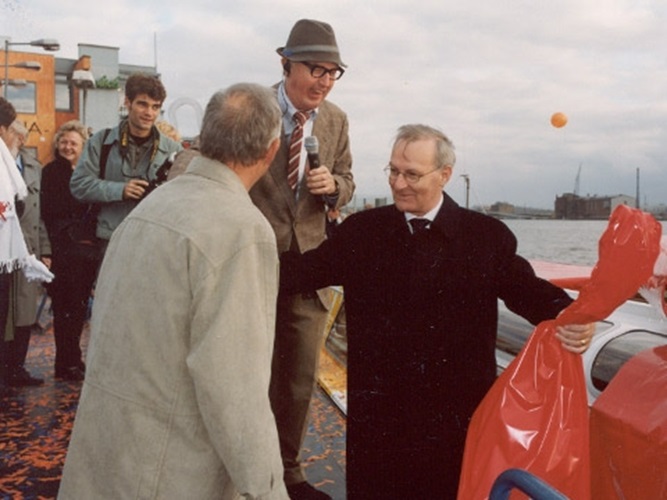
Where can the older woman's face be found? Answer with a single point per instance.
(70, 146)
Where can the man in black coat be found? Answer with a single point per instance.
(421, 301)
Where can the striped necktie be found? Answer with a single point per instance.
(296, 141)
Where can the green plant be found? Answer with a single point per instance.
(105, 83)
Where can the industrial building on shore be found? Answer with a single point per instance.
(572, 206)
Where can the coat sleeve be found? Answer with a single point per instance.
(49, 202)
(326, 265)
(44, 241)
(530, 296)
(342, 168)
(233, 321)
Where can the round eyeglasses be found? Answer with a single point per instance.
(410, 177)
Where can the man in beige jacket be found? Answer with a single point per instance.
(175, 401)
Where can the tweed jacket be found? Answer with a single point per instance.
(421, 319)
(36, 239)
(304, 220)
(175, 402)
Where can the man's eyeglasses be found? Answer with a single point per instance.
(410, 177)
(318, 71)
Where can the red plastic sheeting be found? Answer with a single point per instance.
(629, 431)
(535, 417)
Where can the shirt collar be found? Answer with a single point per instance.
(288, 109)
(429, 215)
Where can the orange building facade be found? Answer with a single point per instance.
(51, 92)
(33, 94)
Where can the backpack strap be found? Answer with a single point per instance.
(104, 153)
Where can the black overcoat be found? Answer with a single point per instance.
(422, 316)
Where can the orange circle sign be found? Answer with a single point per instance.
(558, 120)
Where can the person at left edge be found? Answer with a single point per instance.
(175, 402)
(134, 150)
(25, 293)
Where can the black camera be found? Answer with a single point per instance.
(160, 175)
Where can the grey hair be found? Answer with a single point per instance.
(240, 123)
(19, 128)
(444, 148)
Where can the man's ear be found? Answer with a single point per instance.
(446, 174)
(287, 65)
(273, 150)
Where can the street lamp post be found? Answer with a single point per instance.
(47, 44)
(466, 179)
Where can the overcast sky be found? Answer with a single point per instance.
(487, 73)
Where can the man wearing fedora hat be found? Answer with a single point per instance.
(295, 195)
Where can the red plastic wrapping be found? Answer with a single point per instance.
(629, 431)
(535, 417)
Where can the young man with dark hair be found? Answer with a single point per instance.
(118, 165)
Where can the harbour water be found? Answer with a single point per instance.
(562, 241)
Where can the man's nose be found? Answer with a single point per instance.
(327, 80)
(399, 182)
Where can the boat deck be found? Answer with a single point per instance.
(35, 425)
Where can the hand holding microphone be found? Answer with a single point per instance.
(318, 178)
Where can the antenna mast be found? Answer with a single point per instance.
(155, 49)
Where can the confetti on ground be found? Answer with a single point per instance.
(36, 422)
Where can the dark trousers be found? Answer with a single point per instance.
(5, 280)
(12, 352)
(70, 292)
(17, 350)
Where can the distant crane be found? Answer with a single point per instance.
(576, 181)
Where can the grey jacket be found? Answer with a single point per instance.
(36, 239)
(175, 402)
(87, 186)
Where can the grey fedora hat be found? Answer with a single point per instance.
(312, 40)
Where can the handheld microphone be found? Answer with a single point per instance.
(313, 149)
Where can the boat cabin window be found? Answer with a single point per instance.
(619, 350)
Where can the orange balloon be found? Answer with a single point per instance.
(558, 120)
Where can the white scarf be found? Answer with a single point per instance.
(13, 251)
